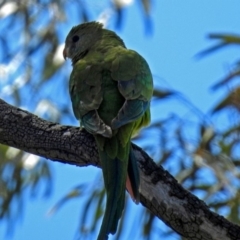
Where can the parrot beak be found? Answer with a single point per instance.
(65, 53)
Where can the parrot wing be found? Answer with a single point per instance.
(86, 95)
(135, 83)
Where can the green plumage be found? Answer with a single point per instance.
(110, 88)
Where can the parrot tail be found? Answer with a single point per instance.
(120, 169)
(133, 179)
(115, 175)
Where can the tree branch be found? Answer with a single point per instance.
(160, 192)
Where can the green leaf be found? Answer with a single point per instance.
(226, 39)
(74, 193)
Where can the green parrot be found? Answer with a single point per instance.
(110, 88)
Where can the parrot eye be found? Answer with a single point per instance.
(75, 38)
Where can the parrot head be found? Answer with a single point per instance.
(80, 39)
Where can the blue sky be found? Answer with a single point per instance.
(180, 30)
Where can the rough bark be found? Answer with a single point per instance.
(160, 192)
